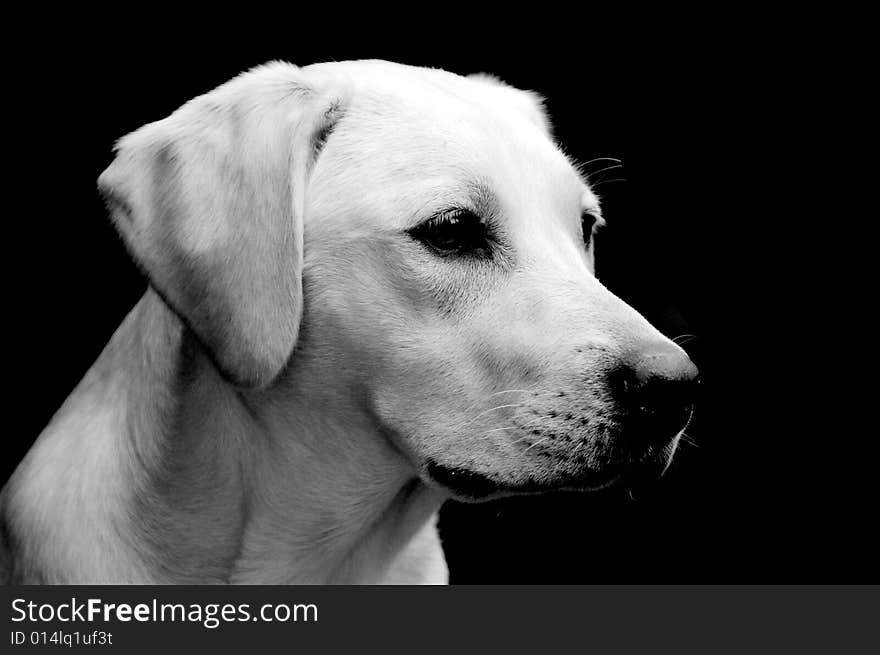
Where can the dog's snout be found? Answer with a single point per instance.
(658, 387)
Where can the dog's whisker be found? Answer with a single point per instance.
(683, 436)
(522, 427)
(595, 159)
(491, 409)
(616, 179)
(602, 170)
(537, 443)
(528, 436)
(498, 393)
(688, 422)
(582, 167)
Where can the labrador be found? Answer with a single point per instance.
(371, 289)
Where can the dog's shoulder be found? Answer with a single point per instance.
(66, 506)
(55, 503)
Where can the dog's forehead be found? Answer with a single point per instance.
(415, 140)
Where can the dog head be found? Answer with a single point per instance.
(427, 248)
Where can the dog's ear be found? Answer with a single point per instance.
(210, 203)
(530, 103)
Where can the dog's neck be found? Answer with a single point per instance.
(330, 499)
(282, 486)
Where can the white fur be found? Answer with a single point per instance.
(316, 470)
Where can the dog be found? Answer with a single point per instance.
(371, 289)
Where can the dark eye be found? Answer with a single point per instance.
(456, 232)
(589, 221)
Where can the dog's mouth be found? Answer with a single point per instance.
(637, 473)
(472, 486)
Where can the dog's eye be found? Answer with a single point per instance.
(589, 222)
(456, 232)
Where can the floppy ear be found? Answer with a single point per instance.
(210, 203)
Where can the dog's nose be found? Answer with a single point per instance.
(659, 387)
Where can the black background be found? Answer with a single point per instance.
(775, 490)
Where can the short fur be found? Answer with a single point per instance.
(304, 384)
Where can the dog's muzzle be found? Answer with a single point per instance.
(653, 391)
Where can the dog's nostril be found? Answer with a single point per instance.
(663, 405)
(657, 386)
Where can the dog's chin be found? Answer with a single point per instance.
(472, 486)
(636, 472)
